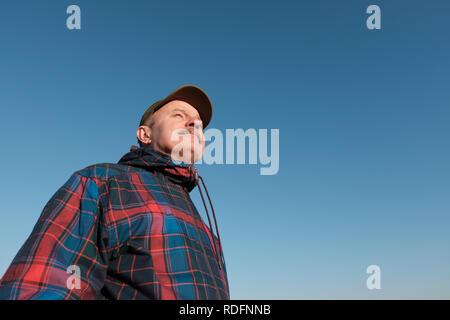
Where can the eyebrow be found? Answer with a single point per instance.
(183, 111)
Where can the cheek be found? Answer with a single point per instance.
(170, 136)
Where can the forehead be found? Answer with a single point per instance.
(181, 106)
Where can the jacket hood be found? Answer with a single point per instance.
(150, 159)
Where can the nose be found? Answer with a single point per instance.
(195, 124)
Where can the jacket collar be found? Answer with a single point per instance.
(147, 158)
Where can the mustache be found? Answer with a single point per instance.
(193, 132)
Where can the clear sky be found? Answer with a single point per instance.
(363, 117)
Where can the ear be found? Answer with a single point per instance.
(144, 133)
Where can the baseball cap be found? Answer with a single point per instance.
(190, 94)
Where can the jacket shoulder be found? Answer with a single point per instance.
(103, 171)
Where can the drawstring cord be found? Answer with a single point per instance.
(216, 251)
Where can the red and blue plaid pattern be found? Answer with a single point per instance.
(131, 229)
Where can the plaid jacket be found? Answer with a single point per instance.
(121, 231)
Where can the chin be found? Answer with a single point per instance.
(194, 155)
(187, 153)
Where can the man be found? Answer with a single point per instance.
(129, 230)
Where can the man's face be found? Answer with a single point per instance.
(176, 129)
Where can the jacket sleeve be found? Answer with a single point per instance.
(65, 257)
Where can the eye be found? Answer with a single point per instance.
(178, 114)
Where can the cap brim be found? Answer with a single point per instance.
(195, 97)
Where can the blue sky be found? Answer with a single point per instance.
(363, 119)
